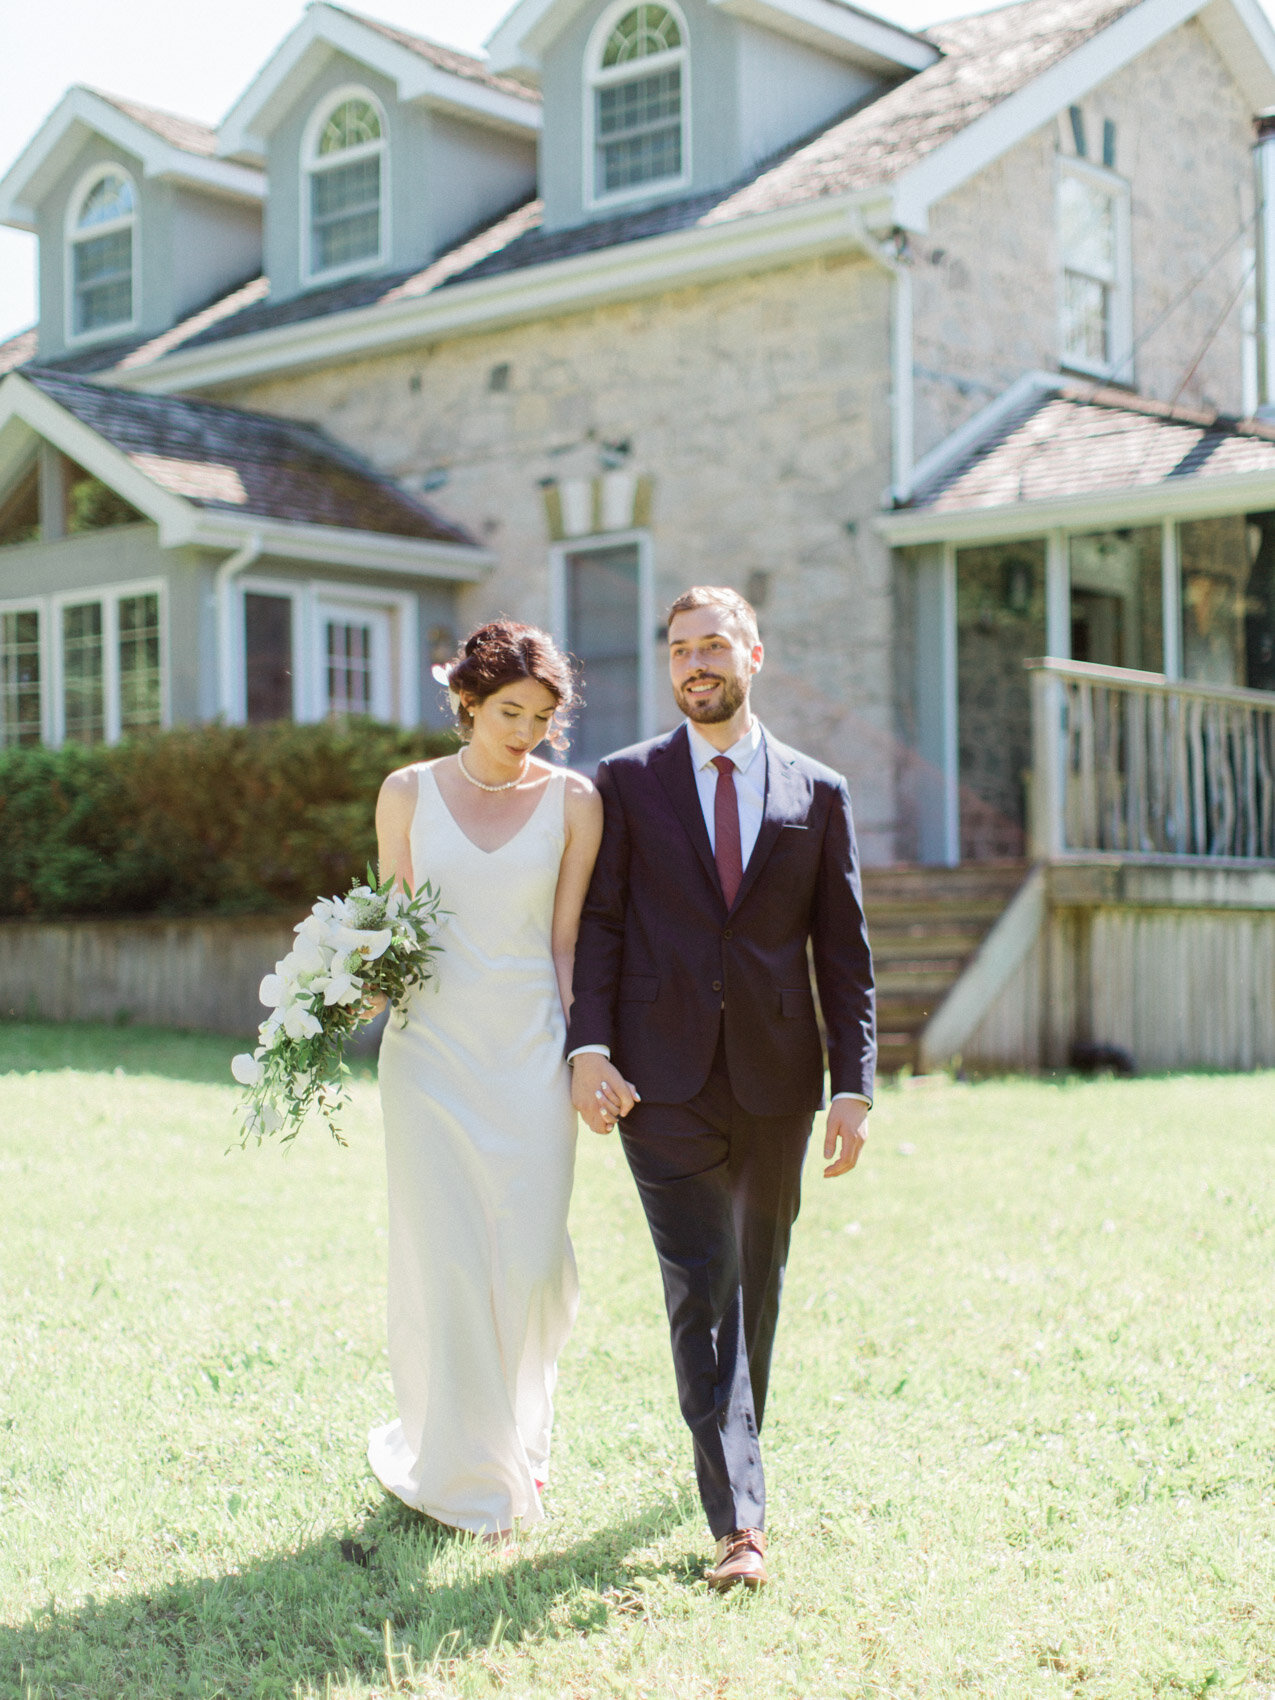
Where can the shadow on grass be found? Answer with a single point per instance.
(28, 1047)
(286, 1624)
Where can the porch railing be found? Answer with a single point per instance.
(1134, 765)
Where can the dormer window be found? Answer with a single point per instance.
(101, 255)
(346, 187)
(638, 103)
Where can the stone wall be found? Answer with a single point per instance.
(986, 274)
(757, 407)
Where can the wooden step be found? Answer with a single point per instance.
(925, 925)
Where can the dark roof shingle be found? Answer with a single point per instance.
(446, 58)
(188, 134)
(250, 464)
(1087, 441)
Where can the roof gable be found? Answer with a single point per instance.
(519, 42)
(178, 460)
(420, 70)
(168, 146)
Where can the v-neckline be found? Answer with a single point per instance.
(496, 849)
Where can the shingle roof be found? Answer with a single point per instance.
(986, 58)
(249, 464)
(17, 350)
(185, 133)
(1085, 441)
(446, 58)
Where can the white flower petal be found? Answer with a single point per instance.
(246, 1069)
(272, 991)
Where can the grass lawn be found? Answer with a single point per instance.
(1021, 1442)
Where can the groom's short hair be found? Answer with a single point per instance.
(731, 603)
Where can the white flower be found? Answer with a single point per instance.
(339, 987)
(369, 945)
(246, 1069)
(299, 1023)
(272, 992)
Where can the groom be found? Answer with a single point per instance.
(693, 1028)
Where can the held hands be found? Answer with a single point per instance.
(847, 1128)
(599, 1092)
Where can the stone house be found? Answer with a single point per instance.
(948, 348)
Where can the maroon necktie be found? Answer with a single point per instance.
(726, 845)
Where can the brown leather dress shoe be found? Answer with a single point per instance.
(741, 1558)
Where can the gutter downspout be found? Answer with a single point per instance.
(1264, 161)
(227, 572)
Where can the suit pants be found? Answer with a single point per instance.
(721, 1189)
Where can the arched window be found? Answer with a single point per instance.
(346, 186)
(639, 102)
(102, 237)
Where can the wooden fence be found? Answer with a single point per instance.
(200, 974)
(1129, 764)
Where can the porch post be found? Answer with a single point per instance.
(1171, 598)
(935, 676)
(1046, 838)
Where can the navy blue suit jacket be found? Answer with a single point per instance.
(659, 957)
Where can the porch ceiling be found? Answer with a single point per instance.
(1077, 454)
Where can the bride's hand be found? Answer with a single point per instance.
(373, 1005)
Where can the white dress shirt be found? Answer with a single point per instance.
(749, 756)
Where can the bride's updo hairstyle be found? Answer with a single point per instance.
(499, 654)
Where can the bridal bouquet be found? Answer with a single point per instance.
(375, 939)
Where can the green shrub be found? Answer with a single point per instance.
(200, 820)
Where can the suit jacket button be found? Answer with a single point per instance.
(717, 985)
(728, 934)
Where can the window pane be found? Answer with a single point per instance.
(602, 632)
(1228, 600)
(268, 656)
(349, 667)
(353, 124)
(104, 280)
(19, 678)
(1000, 622)
(1086, 320)
(345, 213)
(83, 701)
(639, 104)
(110, 198)
(1088, 228)
(140, 677)
(1117, 599)
(643, 31)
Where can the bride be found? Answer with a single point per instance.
(479, 1129)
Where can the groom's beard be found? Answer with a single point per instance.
(713, 710)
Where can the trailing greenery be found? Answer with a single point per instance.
(1018, 1444)
(200, 820)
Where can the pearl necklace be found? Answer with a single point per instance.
(507, 786)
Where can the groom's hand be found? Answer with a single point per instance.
(600, 1092)
(848, 1129)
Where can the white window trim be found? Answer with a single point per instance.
(1120, 366)
(648, 700)
(110, 596)
(308, 658)
(596, 77)
(39, 605)
(310, 165)
(72, 234)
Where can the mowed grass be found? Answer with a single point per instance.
(1022, 1439)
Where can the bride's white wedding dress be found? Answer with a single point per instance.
(480, 1147)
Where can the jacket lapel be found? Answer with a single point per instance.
(676, 774)
(788, 794)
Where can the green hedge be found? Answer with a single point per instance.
(201, 820)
